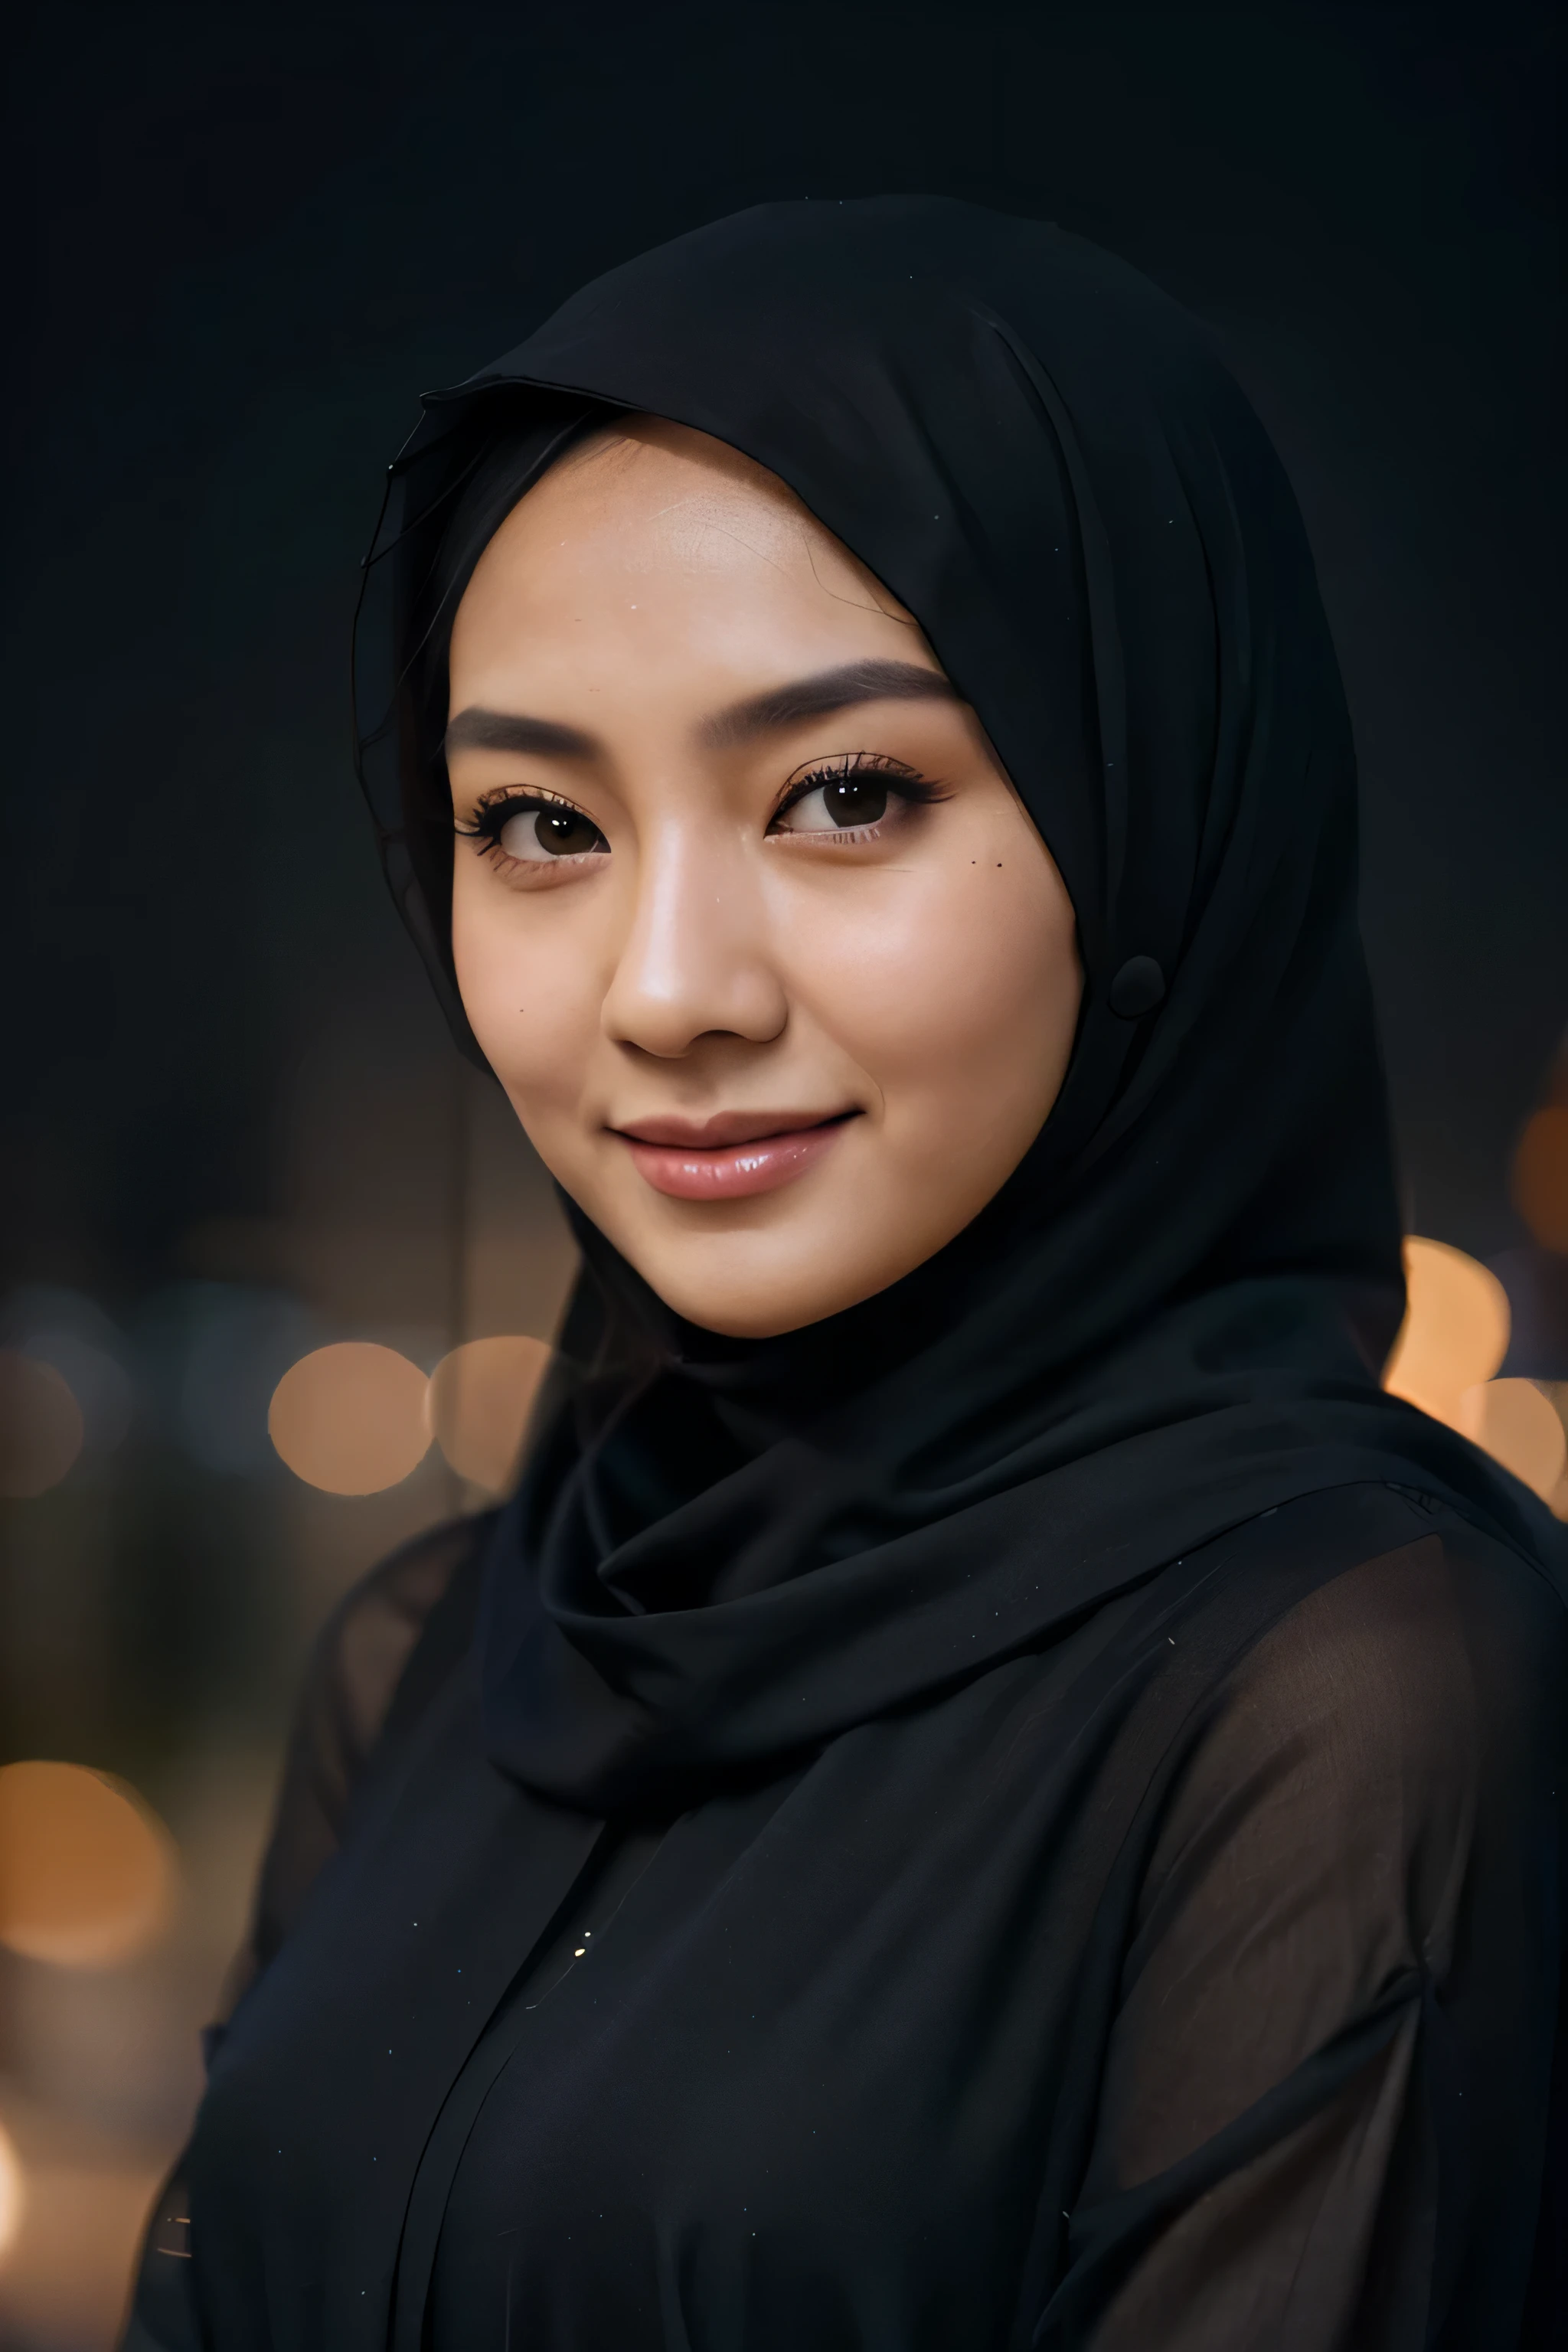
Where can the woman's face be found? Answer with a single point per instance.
(777, 973)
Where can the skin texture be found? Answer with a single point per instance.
(702, 963)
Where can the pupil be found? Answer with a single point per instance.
(564, 832)
(858, 800)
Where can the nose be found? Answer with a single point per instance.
(695, 962)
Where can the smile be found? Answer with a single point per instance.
(729, 1158)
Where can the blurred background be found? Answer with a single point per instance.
(251, 1205)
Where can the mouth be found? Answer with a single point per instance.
(733, 1155)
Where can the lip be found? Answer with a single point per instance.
(732, 1156)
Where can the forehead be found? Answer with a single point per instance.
(699, 524)
(637, 450)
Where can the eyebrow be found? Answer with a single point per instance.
(827, 690)
(477, 729)
(816, 696)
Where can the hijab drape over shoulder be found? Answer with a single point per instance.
(1174, 1315)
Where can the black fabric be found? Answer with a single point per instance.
(1254, 1929)
(908, 1630)
(1174, 1315)
(392, 1639)
(1230, 2030)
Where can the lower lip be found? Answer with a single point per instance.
(734, 1171)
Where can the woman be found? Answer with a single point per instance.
(989, 1789)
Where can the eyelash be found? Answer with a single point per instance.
(903, 783)
(495, 812)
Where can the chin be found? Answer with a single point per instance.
(739, 1305)
(737, 1313)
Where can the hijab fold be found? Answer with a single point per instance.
(1171, 1317)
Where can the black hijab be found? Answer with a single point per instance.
(1173, 1316)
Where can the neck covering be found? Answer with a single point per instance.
(1171, 1317)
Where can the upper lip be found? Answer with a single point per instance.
(725, 1127)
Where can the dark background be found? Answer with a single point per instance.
(240, 241)
(243, 239)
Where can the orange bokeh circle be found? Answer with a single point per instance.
(478, 1404)
(87, 1872)
(349, 1419)
(41, 1427)
(1455, 1332)
(1519, 1427)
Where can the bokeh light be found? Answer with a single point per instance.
(65, 1328)
(100, 1386)
(1556, 1395)
(1519, 1427)
(41, 1427)
(1540, 1176)
(351, 1418)
(480, 1399)
(63, 2285)
(10, 2193)
(86, 1870)
(1454, 1333)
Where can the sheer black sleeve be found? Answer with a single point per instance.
(1325, 2108)
(356, 1672)
(379, 1654)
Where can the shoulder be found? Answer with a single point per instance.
(1432, 1655)
(1392, 1729)
(1367, 1799)
(1344, 1957)
(362, 1671)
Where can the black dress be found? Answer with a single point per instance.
(1027, 1813)
(1235, 2031)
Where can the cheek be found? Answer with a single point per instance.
(531, 988)
(960, 991)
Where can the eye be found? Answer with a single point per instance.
(534, 830)
(835, 805)
(549, 832)
(853, 793)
